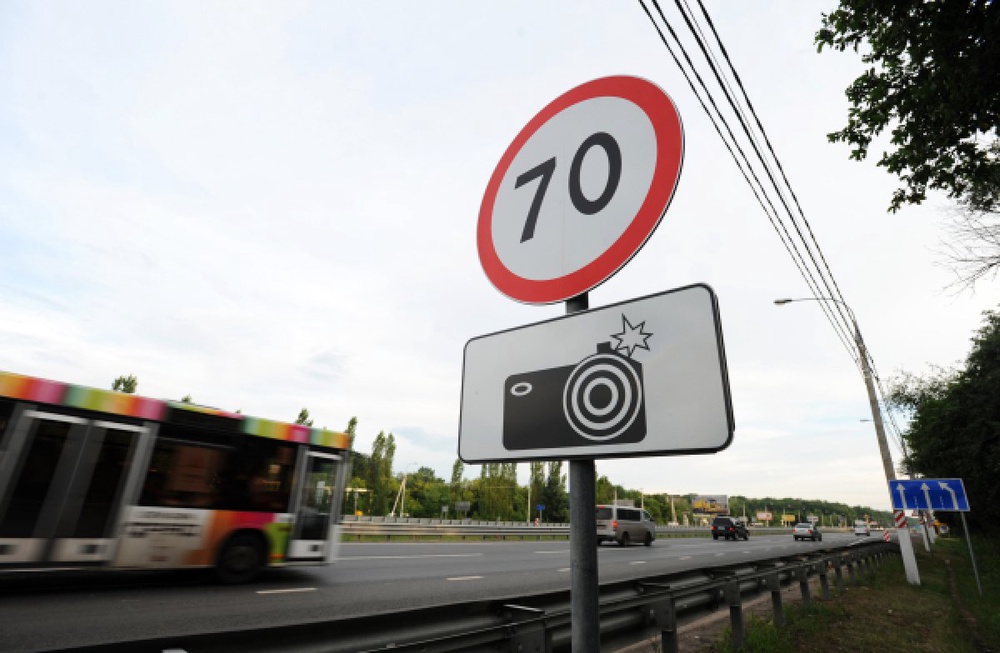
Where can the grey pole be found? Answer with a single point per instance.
(905, 545)
(586, 628)
(972, 555)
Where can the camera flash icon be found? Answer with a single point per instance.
(631, 337)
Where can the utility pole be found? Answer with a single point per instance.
(905, 545)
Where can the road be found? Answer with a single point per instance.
(41, 612)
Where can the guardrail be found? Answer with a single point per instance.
(630, 611)
(465, 528)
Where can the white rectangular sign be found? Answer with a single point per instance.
(640, 378)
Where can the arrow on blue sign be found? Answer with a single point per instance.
(947, 494)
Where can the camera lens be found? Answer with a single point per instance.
(602, 396)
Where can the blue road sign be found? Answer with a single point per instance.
(947, 494)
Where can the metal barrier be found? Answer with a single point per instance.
(630, 611)
(389, 527)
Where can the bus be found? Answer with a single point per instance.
(97, 478)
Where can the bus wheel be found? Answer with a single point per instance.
(241, 559)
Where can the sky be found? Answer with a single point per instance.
(273, 205)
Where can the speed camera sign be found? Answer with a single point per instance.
(580, 190)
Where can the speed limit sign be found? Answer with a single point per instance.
(580, 189)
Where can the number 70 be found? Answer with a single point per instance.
(582, 204)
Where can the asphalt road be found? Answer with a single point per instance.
(47, 611)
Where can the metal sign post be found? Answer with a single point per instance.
(972, 555)
(584, 614)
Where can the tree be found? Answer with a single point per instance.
(973, 250)
(126, 384)
(303, 418)
(425, 493)
(554, 496)
(604, 490)
(536, 481)
(457, 471)
(497, 491)
(187, 399)
(933, 80)
(954, 430)
(380, 481)
(351, 431)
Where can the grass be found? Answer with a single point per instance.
(944, 614)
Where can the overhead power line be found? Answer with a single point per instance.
(793, 229)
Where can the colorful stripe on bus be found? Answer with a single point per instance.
(27, 388)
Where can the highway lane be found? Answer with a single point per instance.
(368, 578)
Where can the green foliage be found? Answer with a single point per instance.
(303, 418)
(954, 430)
(555, 498)
(932, 78)
(380, 480)
(127, 384)
(497, 495)
(426, 494)
(351, 431)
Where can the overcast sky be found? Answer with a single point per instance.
(273, 205)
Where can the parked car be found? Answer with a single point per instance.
(861, 528)
(729, 528)
(624, 525)
(805, 531)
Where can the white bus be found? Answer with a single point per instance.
(94, 478)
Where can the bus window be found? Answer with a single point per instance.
(27, 497)
(102, 494)
(185, 475)
(254, 476)
(267, 466)
(317, 494)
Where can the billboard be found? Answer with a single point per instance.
(712, 504)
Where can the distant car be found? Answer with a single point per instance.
(807, 532)
(624, 525)
(729, 528)
(861, 528)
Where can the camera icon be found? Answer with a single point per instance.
(600, 400)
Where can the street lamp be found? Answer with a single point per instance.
(905, 546)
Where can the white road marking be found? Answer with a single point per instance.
(719, 555)
(564, 569)
(685, 557)
(638, 562)
(559, 551)
(288, 591)
(464, 578)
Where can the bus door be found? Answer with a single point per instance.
(65, 488)
(315, 536)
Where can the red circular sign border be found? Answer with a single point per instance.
(669, 157)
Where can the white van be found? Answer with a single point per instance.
(624, 525)
(861, 528)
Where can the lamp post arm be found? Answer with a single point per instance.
(866, 372)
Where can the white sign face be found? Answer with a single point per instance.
(640, 378)
(580, 190)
